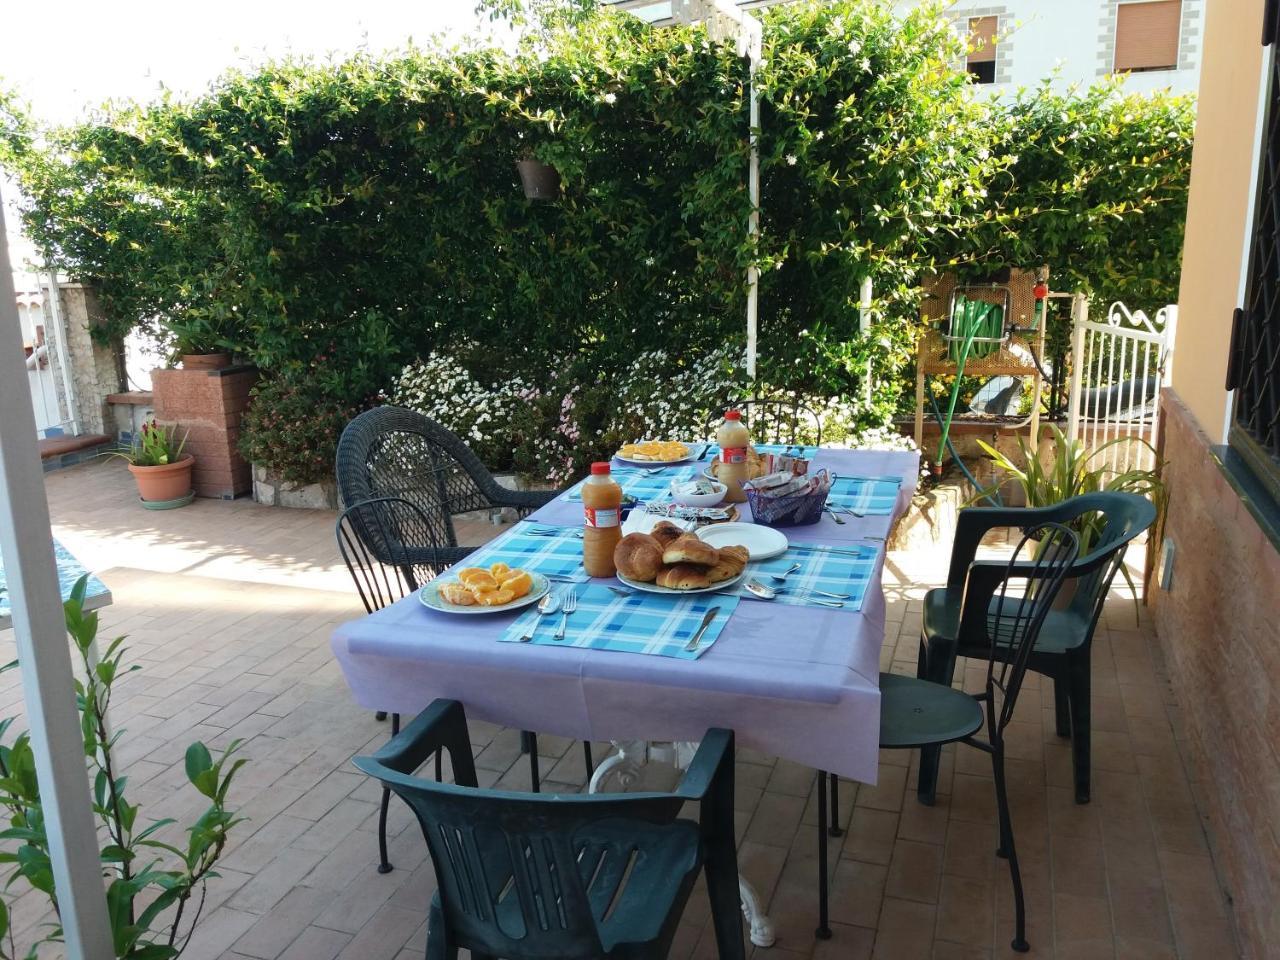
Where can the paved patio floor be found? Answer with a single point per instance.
(229, 607)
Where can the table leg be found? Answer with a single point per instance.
(761, 926)
(626, 764)
(824, 928)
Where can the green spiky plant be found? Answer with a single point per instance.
(1076, 471)
(154, 889)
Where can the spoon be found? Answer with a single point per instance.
(546, 605)
(835, 516)
(781, 577)
(769, 593)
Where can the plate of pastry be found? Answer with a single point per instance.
(670, 560)
(647, 453)
(479, 590)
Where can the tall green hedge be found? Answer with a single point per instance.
(334, 221)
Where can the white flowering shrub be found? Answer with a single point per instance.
(550, 432)
(439, 387)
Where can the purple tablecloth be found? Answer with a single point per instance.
(795, 682)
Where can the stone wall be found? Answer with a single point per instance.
(208, 405)
(96, 370)
(1219, 627)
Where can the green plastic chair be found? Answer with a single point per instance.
(533, 876)
(1062, 651)
(920, 713)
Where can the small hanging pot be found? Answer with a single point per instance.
(541, 181)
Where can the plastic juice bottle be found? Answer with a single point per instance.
(602, 523)
(734, 440)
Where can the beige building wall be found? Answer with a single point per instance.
(1221, 177)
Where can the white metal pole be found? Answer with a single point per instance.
(754, 52)
(26, 549)
(864, 327)
(1079, 316)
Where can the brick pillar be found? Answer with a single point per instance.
(208, 405)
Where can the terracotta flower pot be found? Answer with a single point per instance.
(169, 481)
(541, 181)
(205, 361)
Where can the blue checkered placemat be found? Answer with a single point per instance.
(639, 485)
(842, 569)
(870, 496)
(649, 623)
(559, 554)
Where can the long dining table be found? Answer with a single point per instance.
(794, 681)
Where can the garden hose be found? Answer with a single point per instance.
(992, 498)
(971, 320)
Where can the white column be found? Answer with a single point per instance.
(26, 548)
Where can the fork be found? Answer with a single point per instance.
(570, 604)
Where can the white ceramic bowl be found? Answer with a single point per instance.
(699, 499)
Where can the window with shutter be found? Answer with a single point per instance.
(1147, 33)
(1253, 370)
(981, 61)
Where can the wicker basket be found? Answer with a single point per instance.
(796, 510)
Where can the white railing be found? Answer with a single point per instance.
(1118, 371)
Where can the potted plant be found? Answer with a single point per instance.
(541, 181)
(1077, 471)
(159, 467)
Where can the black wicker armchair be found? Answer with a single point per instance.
(393, 452)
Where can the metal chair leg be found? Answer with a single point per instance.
(591, 764)
(835, 830)
(1009, 851)
(529, 743)
(384, 864)
(824, 927)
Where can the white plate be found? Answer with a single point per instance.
(693, 449)
(654, 588)
(430, 597)
(761, 542)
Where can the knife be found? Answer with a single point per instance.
(706, 622)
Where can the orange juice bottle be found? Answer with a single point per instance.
(602, 521)
(734, 440)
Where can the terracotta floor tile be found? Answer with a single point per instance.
(966, 912)
(905, 931)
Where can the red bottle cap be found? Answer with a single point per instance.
(600, 468)
(732, 415)
(1041, 290)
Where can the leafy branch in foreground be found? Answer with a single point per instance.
(150, 883)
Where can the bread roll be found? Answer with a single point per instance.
(666, 532)
(638, 556)
(689, 549)
(683, 576)
(733, 560)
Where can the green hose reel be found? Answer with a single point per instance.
(976, 329)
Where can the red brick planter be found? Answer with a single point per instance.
(207, 405)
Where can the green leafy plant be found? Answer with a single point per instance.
(154, 446)
(155, 875)
(1074, 471)
(333, 222)
(292, 427)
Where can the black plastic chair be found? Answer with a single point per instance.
(1063, 648)
(573, 876)
(777, 420)
(919, 713)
